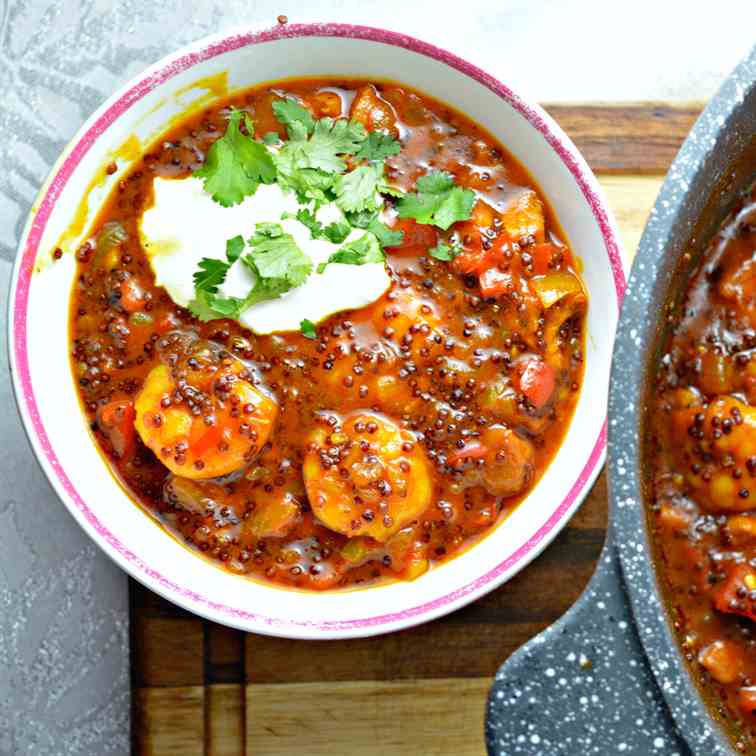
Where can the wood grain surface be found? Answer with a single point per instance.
(202, 689)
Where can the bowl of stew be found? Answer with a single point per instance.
(681, 459)
(310, 330)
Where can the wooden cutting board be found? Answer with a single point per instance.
(200, 689)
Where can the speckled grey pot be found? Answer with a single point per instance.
(714, 164)
(608, 677)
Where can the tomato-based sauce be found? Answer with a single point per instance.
(388, 440)
(704, 447)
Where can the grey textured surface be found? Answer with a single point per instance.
(582, 686)
(64, 676)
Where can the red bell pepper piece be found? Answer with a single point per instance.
(417, 240)
(472, 450)
(116, 420)
(537, 381)
(541, 254)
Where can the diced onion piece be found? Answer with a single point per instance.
(553, 287)
(722, 660)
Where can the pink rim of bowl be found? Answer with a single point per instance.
(19, 297)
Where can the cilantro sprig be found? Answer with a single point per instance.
(361, 251)
(334, 232)
(275, 260)
(322, 161)
(378, 146)
(438, 201)
(236, 164)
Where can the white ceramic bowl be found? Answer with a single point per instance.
(39, 345)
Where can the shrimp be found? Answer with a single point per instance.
(367, 477)
(201, 415)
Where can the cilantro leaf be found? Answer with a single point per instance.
(368, 220)
(444, 251)
(359, 252)
(358, 189)
(236, 164)
(386, 236)
(307, 327)
(200, 307)
(334, 232)
(438, 201)
(362, 219)
(298, 120)
(211, 274)
(271, 137)
(308, 184)
(277, 262)
(378, 146)
(234, 248)
(307, 218)
(337, 231)
(207, 306)
(321, 151)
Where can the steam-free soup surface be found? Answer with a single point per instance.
(374, 443)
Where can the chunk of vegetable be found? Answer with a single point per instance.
(722, 660)
(725, 431)
(116, 421)
(407, 553)
(508, 461)
(542, 255)
(537, 381)
(132, 296)
(111, 237)
(556, 316)
(553, 287)
(733, 595)
(524, 217)
(359, 550)
(275, 517)
(673, 518)
(747, 700)
(741, 530)
(494, 282)
(373, 112)
(325, 104)
(717, 373)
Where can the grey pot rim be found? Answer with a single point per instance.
(649, 283)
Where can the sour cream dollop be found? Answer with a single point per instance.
(185, 225)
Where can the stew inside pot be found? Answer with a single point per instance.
(704, 437)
